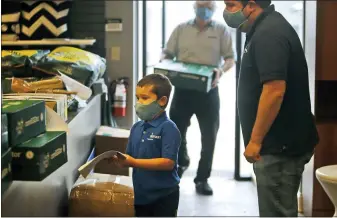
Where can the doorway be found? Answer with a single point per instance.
(229, 166)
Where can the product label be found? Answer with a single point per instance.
(189, 76)
(46, 161)
(29, 155)
(56, 153)
(16, 154)
(32, 121)
(27, 53)
(4, 172)
(73, 55)
(10, 104)
(19, 127)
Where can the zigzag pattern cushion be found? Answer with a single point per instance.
(45, 19)
(10, 17)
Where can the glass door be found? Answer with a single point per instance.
(152, 34)
(159, 20)
(182, 11)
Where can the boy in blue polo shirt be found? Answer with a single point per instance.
(152, 151)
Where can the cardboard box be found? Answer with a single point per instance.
(57, 102)
(26, 119)
(187, 75)
(108, 138)
(37, 158)
(4, 133)
(101, 195)
(6, 170)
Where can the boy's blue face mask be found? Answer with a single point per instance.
(204, 13)
(147, 112)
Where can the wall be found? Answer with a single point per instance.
(87, 20)
(316, 201)
(127, 41)
(310, 52)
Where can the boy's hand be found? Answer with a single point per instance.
(121, 162)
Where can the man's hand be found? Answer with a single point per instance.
(120, 162)
(252, 152)
(217, 75)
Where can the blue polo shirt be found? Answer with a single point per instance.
(159, 138)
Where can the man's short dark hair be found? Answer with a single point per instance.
(161, 85)
(261, 3)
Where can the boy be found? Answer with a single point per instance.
(152, 151)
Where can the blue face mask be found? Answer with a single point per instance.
(147, 112)
(204, 13)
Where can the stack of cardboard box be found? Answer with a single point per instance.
(109, 138)
(102, 195)
(108, 191)
(32, 152)
(56, 102)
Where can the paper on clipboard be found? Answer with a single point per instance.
(54, 122)
(86, 168)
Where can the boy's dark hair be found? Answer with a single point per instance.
(262, 3)
(161, 85)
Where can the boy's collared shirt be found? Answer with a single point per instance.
(159, 138)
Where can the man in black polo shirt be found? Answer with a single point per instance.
(274, 104)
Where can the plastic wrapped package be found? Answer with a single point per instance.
(102, 195)
(83, 66)
(18, 63)
(50, 85)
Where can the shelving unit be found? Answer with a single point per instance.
(50, 42)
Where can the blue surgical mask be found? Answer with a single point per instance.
(147, 112)
(204, 13)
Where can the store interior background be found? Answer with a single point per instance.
(227, 199)
(231, 198)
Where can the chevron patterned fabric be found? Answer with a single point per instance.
(45, 19)
(10, 16)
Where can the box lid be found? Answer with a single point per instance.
(10, 106)
(113, 132)
(40, 140)
(197, 69)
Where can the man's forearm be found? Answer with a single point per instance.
(153, 164)
(229, 63)
(269, 106)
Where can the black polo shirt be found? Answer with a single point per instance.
(273, 51)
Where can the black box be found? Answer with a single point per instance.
(6, 170)
(4, 133)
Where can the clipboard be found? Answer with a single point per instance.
(86, 168)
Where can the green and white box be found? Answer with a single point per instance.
(187, 75)
(26, 119)
(37, 158)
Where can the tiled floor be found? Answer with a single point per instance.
(230, 198)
